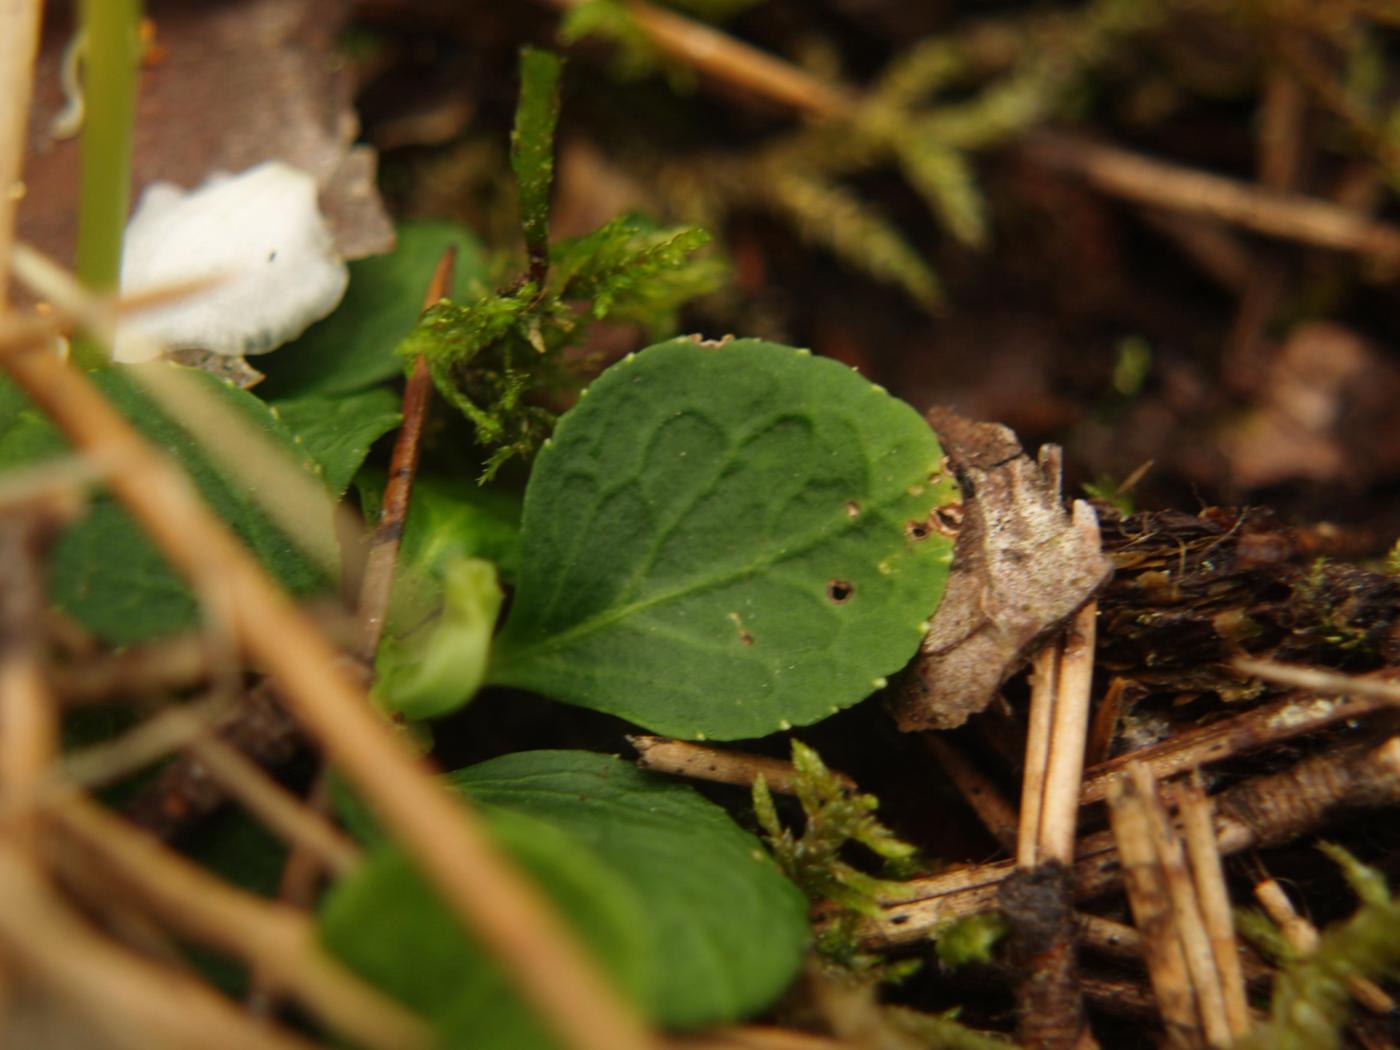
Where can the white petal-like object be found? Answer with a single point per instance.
(259, 234)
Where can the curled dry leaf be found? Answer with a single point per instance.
(232, 85)
(1021, 567)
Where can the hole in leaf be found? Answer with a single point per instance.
(917, 530)
(948, 519)
(839, 591)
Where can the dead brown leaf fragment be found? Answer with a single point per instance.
(1021, 568)
(234, 84)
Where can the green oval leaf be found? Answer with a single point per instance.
(389, 926)
(725, 541)
(726, 929)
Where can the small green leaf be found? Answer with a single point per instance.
(532, 146)
(388, 925)
(445, 598)
(726, 930)
(354, 347)
(438, 666)
(452, 517)
(337, 432)
(724, 541)
(103, 570)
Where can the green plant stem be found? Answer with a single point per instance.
(112, 52)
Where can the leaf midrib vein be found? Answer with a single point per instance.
(609, 617)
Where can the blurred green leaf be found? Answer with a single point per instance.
(389, 925)
(726, 931)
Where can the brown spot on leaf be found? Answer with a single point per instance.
(840, 591)
(745, 638)
(852, 509)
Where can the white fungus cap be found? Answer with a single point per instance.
(259, 234)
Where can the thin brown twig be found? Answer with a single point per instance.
(28, 715)
(297, 823)
(1302, 936)
(1319, 680)
(279, 940)
(130, 1000)
(1208, 873)
(183, 792)
(1186, 911)
(449, 843)
(1060, 805)
(1152, 911)
(19, 44)
(165, 732)
(1263, 726)
(758, 1037)
(718, 765)
(1161, 184)
(718, 55)
(403, 465)
(1103, 729)
(1265, 811)
(998, 816)
(1045, 675)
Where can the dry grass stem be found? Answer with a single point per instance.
(166, 666)
(1152, 912)
(132, 1002)
(758, 1037)
(58, 486)
(1302, 936)
(1265, 811)
(1045, 677)
(1103, 727)
(285, 814)
(721, 57)
(1327, 683)
(1263, 726)
(1208, 873)
(1186, 911)
(661, 754)
(167, 731)
(978, 790)
(509, 914)
(19, 44)
(1060, 807)
(28, 714)
(280, 941)
(1161, 184)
